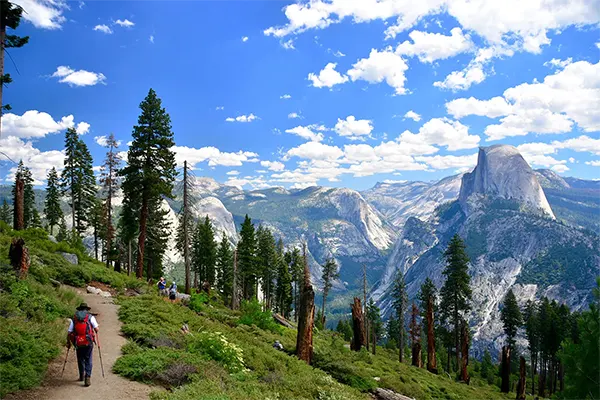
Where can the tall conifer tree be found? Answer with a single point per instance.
(247, 262)
(511, 318)
(400, 301)
(52, 208)
(330, 274)
(5, 212)
(267, 263)
(283, 292)
(150, 169)
(10, 17)
(110, 181)
(225, 269)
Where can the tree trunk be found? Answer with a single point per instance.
(464, 373)
(234, 286)
(561, 376)
(18, 255)
(186, 256)
(374, 338)
(401, 339)
(306, 317)
(358, 326)
(416, 354)
(109, 226)
(431, 361)
(522, 379)
(449, 350)
(129, 258)
(19, 206)
(457, 344)
(323, 309)
(142, 236)
(542, 378)
(505, 369)
(95, 241)
(533, 362)
(2, 38)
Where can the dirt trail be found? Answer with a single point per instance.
(108, 388)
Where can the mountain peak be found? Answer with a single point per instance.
(503, 173)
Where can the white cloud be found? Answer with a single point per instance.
(338, 54)
(412, 115)
(35, 124)
(82, 128)
(429, 47)
(593, 163)
(244, 38)
(124, 23)
(353, 128)
(557, 63)
(213, 155)
(381, 66)
(39, 162)
(285, 96)
(103, 28)
(45, 14)
(151, 38)
(288, 44)
(309, 132)
(233, 172)
(315, 151)
(569, 95)
(254, 182)
(102, 141)
(219, 108)
(492, 108)
(449, 161)
(78, 78)
(328, 77)
(242, 118)
(442, 132)
(580, 144)
(293, 115)
(539, 154)
(273, 165)
(560, 168)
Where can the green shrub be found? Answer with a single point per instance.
(216, 346)
(198, 301)
(252, 314)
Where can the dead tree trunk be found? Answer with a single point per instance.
(366, 321)
(306, 317)
(19, 257)
(416, 354)
(19, 206)
(359, 338)
(522, 379)
(505, 370)
(464, 373)
(186, 240)
(415, 337)
(431, 361)
(373, 338)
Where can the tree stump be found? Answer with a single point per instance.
(505, 370)
(359, 337)
(522, 377)
(464, 373)
(306, 318)
(19, 257)
(431, 361)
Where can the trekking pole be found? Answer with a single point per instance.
(65, 364)
(100, 353)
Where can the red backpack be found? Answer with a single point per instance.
(83, 332)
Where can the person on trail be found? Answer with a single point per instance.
(278, 346)
(173, 291)
(82, 334)
(162, 286)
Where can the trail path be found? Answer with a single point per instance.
(112, 387)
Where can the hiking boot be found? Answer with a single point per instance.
(81, 378)
(87, 381)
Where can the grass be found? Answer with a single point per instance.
(157, 347)
(33, 310)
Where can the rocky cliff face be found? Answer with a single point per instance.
(503, 174)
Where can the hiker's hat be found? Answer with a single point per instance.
(83, 306)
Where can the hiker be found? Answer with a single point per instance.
(162, 286)
(82, 334)
(173, 291)
(278, 346)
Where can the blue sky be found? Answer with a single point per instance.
(378, 89)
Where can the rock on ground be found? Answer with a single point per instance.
(72, 258)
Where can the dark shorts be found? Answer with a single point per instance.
(172, 296)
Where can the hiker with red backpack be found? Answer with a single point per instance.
(82, 334)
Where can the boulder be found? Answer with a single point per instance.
(185, 298)
(104, 294)
(93, 290)
(71, 258)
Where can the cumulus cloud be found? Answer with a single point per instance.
(242, 118)
(78, 78)
(103, 28)
(443, 132)
(593, 163)
(449, 161)
(234, 172)
(44, 14)
(429, 47)
(214, 156)
(328, 77)
(244, 38)
(273, 165)
(124, 23)
(102, 141)
(293, 115)
(35, 124)
(381, 66)
(288, 44)
(315, 151)
(353, 128)
(310, 132)
(39, 162)
(285, 96)
(558, 63)
(412, 115)
(495, 107)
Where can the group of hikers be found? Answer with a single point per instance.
(163, 291)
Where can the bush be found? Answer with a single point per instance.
(252, 314)
(215, 346)
(198, 301)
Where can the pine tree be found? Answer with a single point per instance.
(63, 234)
(511, 317)
(330, 273)
(400, 301)
(374, 317)
(225, 269)
(78, 180)
(456, 292)
(532, 332)
(283, 290)
(110, 181)
(296, 268)
(10, 17)
(158, 233)
(247, 263)
(428, 297)
(150, 170)
(267, 263)
(23, 173)
(36, 220)
(344, 327)
(52, 208)
(97, 222)
(5, 212)
(127, 228)
(488, 368)
(204, 252)
(414, 329)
